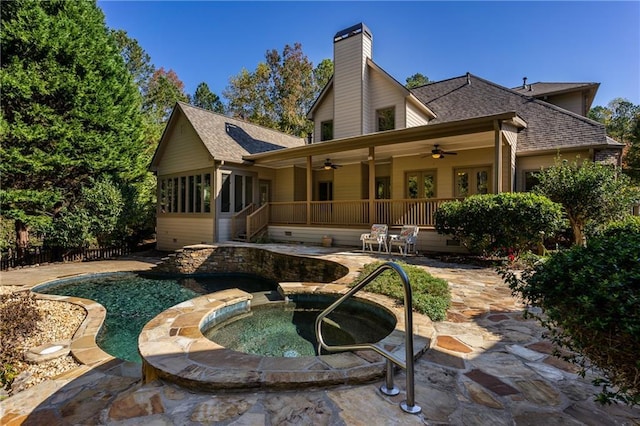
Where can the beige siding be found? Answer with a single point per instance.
(283, 185)
(535, 163)
(323, 112)
(347, 182)
(511, 136)
(445, 169)
(183, 150)
(349, 58)
(569, 101)
(415, 117)
(384, 94)
(176, 232)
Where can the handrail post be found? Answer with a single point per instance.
(407, 405)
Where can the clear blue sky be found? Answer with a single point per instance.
(211, 41)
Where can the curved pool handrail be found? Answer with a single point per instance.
(409, 404)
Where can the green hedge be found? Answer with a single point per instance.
(501, 224)
(590, 297)
(431, 295)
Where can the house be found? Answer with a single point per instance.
(379, 153)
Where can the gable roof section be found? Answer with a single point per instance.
(548, 127)
(227, 138)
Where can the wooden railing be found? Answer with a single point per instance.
(257, 221)
(239, 221)
(356, 213)
(39, 255)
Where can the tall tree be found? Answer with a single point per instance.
(70, 111)
(163, 91)
(136, 59)
(416, 80)
(205, 98)
(280, 91)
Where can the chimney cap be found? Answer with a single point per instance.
(353, 30)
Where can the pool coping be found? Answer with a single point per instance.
(173, 348)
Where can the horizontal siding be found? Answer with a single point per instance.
(183, 151)
(347, 182)
(176, 232)
(323, 112)
(348, 71)
(415, 117)
(428, 239)
(385, 94)
(536, 162)
(224, 229)
(283, 185)
(568, 101)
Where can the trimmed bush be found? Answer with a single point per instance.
(431, 295)
(590, 297)
(500, 224)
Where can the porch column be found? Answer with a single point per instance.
(497, 174)
(372, 184)
(309, 188)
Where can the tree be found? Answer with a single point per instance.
(205, 98)
(136, 59)
(592, 194)
(163, 91)
(416, 80)
(70, 110)
(279, 93)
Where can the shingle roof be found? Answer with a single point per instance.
(548, 126)
(229, 139)
(542, 88)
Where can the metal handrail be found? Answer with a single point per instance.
(388, 388)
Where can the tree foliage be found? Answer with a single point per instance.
(416, 80)
(163, 91)
(622, 120)
(503, 224)
(70, 110)
(280, 91)
(206, 99)
(592, 194)
(589, 297)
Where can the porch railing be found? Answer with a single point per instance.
(356, 213)
(239, 221)
(257, 221)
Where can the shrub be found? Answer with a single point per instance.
(592, 194)
(20, 316)
(431, 295)
(502, 224)
(589, 297)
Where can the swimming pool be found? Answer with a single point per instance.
(132, 300)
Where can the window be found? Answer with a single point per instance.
(225, 193)
(326, 130)
(530, 179)
(421, 184)
(386, 119)
(471, 181)
(236, 191)
(185, 194)
(383, 188)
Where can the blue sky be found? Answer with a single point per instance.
(211, 41)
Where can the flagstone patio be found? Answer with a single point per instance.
(486, 365)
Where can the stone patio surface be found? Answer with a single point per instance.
(486, 366)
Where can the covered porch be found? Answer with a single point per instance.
(391, 177)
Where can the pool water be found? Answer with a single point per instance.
(132, 300)
(288, 329)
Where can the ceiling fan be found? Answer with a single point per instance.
(438, 153)
(328, 165)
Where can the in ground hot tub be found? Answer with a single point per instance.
(174, 348)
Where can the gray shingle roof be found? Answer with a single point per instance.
(548, 126)
(229, 139)
(545, 88)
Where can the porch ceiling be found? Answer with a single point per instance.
(455, 136)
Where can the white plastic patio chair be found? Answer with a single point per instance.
(378, 235)
(406, 241)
